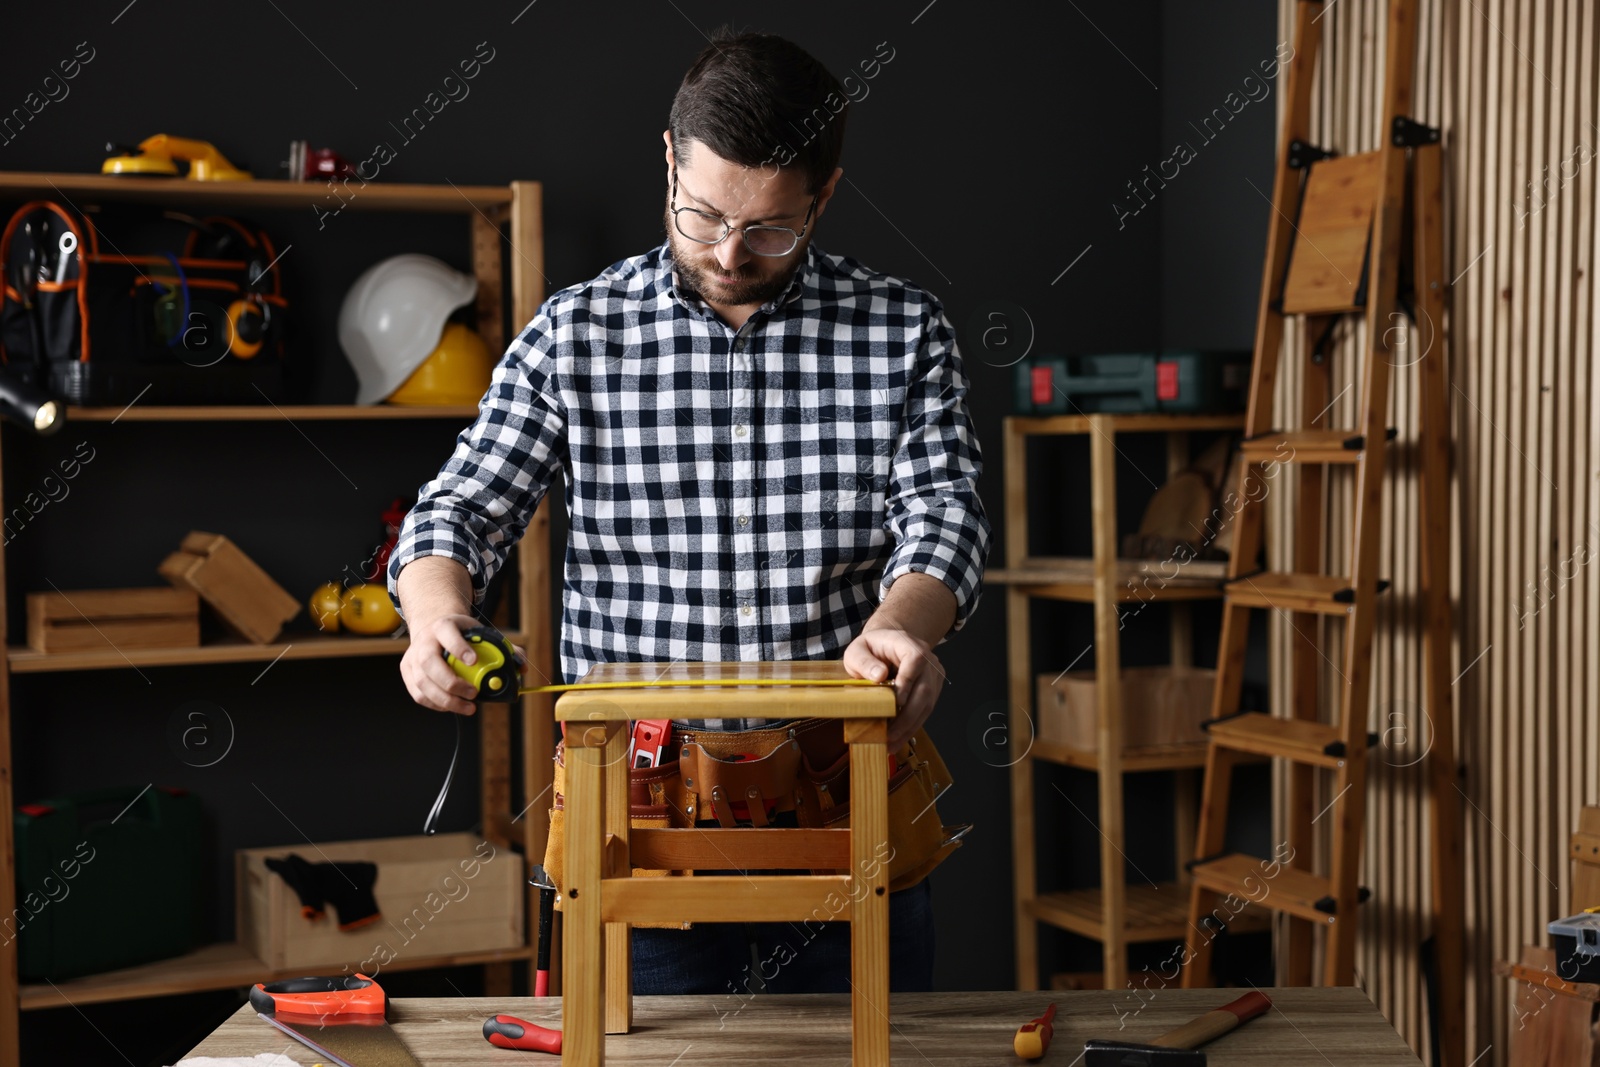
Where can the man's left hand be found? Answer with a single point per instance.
(918, 676)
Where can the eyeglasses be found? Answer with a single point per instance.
(706, 229)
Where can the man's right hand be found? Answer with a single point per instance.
(431, 681)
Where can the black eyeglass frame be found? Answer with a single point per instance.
(744, 231)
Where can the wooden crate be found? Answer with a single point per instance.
(1160, 706)
(440, 896)
(249, 601)
(105, 619)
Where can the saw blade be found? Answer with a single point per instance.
(347, 1040)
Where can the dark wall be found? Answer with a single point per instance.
(984, 163)
(1218, 126)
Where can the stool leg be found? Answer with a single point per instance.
(582, 958)
(619, 959)
(869, 893)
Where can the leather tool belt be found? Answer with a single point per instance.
(759, 777)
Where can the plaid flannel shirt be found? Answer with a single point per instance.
(732, 495)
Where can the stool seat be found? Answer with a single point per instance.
(602, 849)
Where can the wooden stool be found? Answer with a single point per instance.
(602, 849)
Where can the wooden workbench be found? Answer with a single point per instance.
(1340, 1026)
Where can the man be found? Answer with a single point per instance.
(766, 455)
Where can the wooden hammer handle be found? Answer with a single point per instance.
(1213, 1024)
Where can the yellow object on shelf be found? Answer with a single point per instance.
(368, 610)
(326, 601)
(457, 371)
(158, 155)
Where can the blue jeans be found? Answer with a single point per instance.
(738, 960)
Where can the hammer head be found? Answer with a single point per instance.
(1125, 1054)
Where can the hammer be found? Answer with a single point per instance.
(1180, 1047)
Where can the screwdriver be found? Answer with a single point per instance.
(508, 1031)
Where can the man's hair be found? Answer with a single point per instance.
(758, 100)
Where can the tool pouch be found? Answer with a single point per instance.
(748, 777)
(106, 307)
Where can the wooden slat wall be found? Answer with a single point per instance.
(1513, 84)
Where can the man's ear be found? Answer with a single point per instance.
(826, 192)
(666, 135)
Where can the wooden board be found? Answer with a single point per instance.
(232, 196)
(773, 701)
(957, 1029)
(224, 965)
(1585, 852)
(1328, 265)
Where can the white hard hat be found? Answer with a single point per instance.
(392, 318)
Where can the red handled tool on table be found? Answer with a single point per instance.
(342, 1019)
(1033, 1039)
(1180, 1047)
(547, 903)
(508, 1031)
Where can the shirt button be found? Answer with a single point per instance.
(744, 520)
(745, 610)
(739, 431)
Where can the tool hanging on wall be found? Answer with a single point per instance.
(1338, 239)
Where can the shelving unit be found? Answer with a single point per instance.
(1114, 913)
(495, 214)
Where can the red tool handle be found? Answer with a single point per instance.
(508, 1031)
(338, 995)
(1248, 1006)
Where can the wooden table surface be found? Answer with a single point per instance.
(1340, 1027)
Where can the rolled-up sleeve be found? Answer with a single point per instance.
(503, 464)
(934, 515)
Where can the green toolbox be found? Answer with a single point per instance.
(106, 879)
(1172, 382)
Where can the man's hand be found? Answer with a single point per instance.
(883, 653)
(432, 682)
(437, 594)
(897, 642)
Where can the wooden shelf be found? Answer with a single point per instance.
(220, 966)
(1138, 580)
(1152, 758)
(1047, 425)
(268, 412)
(308, 646)
(1152, 913)
(512, 214)
(259, 193)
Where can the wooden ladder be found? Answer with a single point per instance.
(1337, 241)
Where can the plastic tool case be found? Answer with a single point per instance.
(105, 879)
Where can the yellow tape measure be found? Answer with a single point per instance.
(497, 672)
(799, 683)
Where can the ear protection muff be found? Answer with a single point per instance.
(249, 318)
